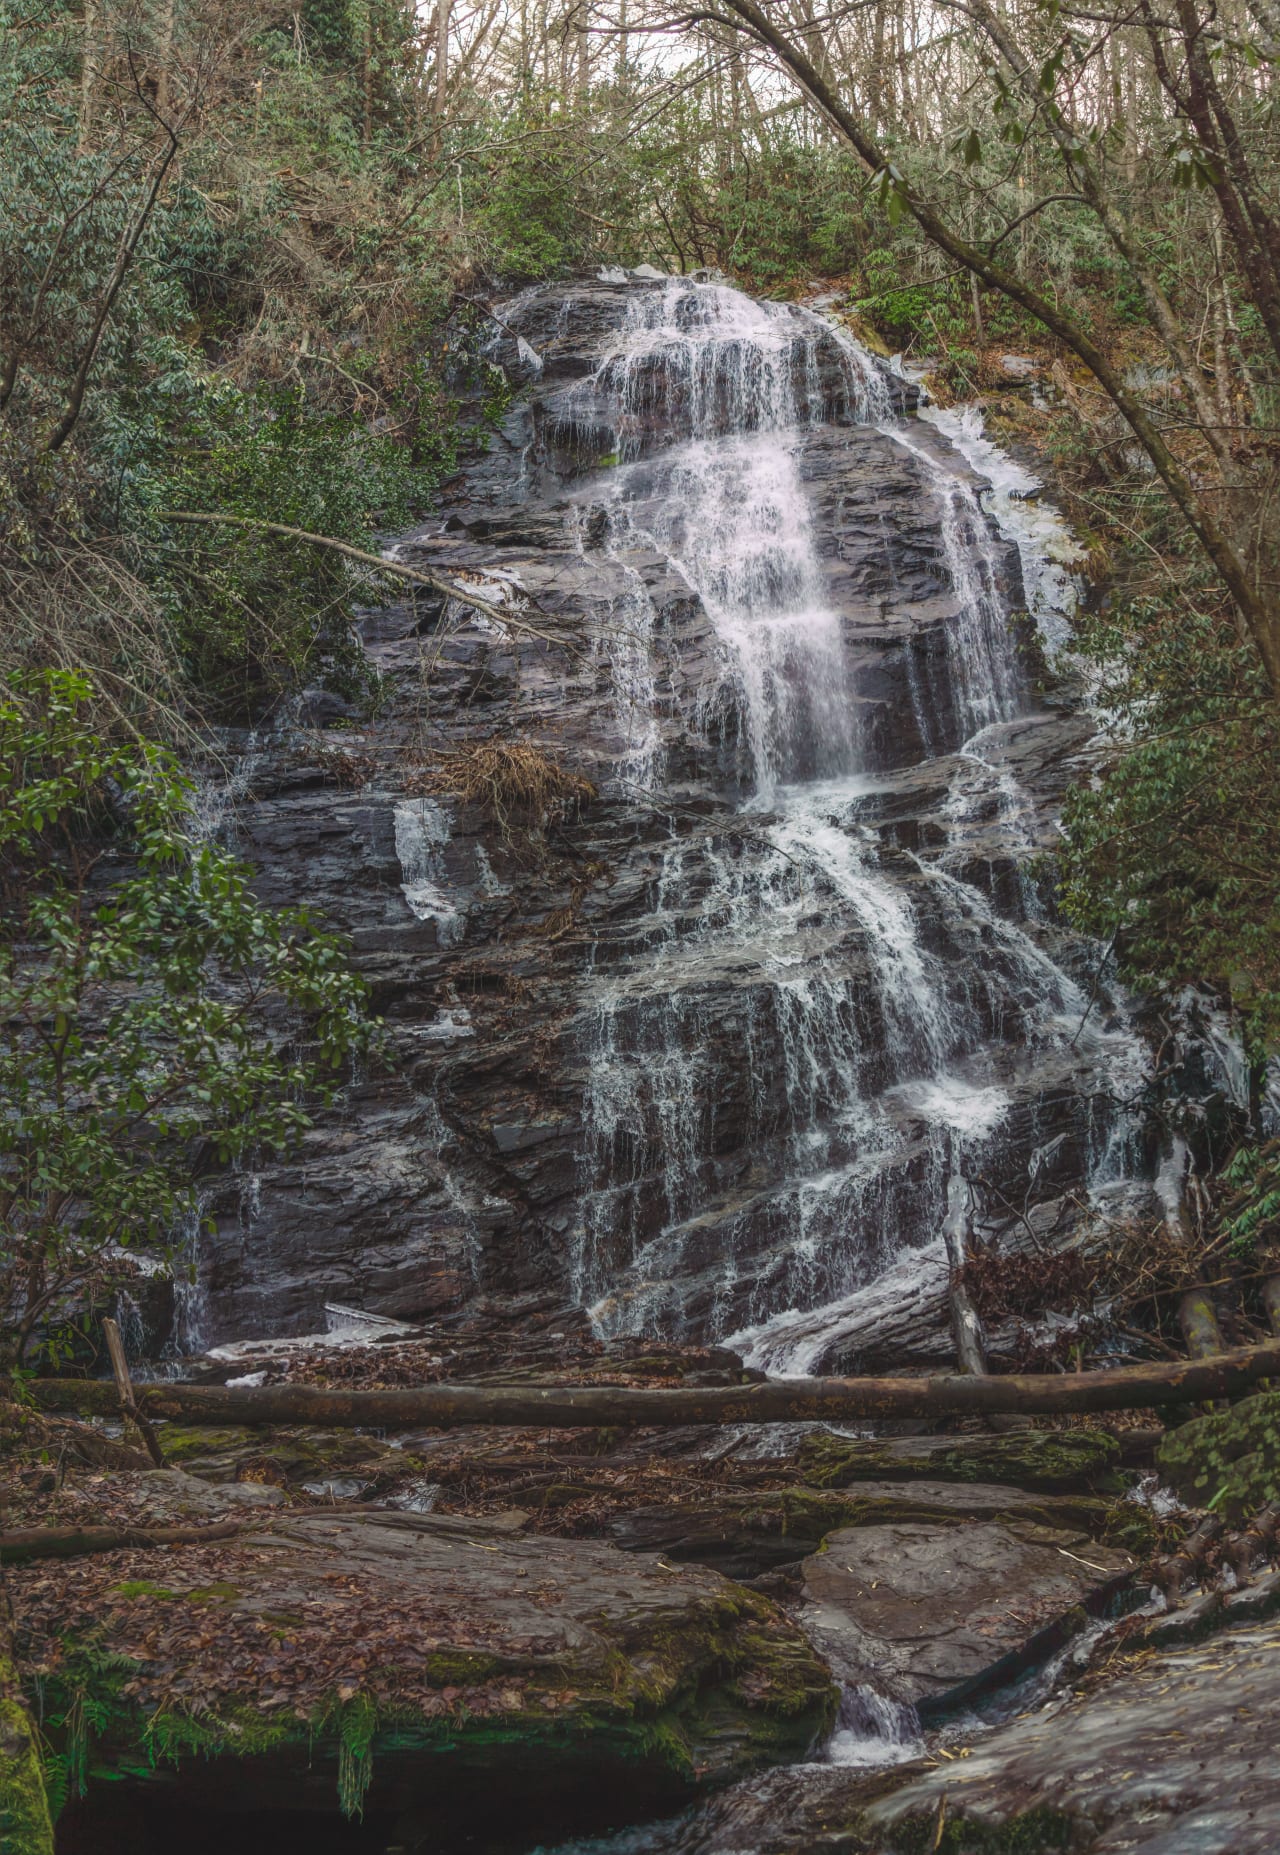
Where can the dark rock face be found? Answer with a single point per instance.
(700, 1052)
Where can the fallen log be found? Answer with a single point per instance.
(779, 1400)
(1172, 1573)
(25, 1543)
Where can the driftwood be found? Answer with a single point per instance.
(124, 1387)
(399, 569)
(1252, 1542)
(24, 1543)
(798, 1400)
(1172, 1573)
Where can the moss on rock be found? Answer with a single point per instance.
(26, 1826)
(1229, 1460)
(414, 1655)
(1039, 1459)
(298, 1455)
(1039, 1831)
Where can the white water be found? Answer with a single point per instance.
(884, 1011)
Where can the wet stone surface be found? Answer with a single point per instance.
(700, 1053)
(929, 1613)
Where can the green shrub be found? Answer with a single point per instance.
(155, 1021)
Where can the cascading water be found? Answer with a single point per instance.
(888, 1015)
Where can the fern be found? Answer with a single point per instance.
(356, 1728)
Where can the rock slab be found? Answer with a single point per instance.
(389, 1662)
(930, 1613)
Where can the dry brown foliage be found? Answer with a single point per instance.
(513, 782)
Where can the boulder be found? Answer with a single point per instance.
(1230, 1458)
(1178, 1755)
(931, 1613)
(430, 1671)
(1173, 1756)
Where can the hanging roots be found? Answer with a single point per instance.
(514, 782)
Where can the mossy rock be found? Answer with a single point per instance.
(1038, 1831)
(419, 1661)
(1229, 1461)
(231, 1453)
(1040, 1459)
(26, 1827)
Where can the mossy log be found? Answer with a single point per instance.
(769, 1401)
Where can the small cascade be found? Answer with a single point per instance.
(873, 1731)
(984, 673)
(887, 1019)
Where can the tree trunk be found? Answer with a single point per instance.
(22, 1544)
(966, 1326)
(89, 73)
(1271, 1301)
(442, 66)
(806, 1400)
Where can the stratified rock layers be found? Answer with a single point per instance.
(702, 1052)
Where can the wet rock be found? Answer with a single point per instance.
(567, 1115)
(1176, 1756)
(433, 1669)
(1230, 1458)
(930, 1614)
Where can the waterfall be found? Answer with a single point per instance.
(887, 1017)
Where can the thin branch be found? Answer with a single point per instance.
(446, 587)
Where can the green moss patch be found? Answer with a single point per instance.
(1047, 1459)
(1229, 1461)
(26, 1826)
(1041, 1831)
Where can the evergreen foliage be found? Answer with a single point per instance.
(157, 1022)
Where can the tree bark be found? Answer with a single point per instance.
(556, 1407)
(1271, 1301)
(22, 1544)
(1198, 1319)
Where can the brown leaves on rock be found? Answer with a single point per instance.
(513, 782)
(213, 1626)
